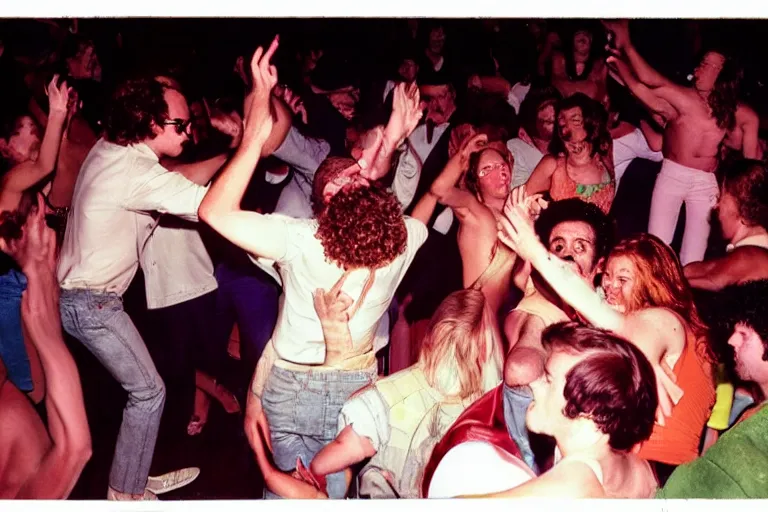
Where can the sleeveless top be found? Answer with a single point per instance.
(677, 442)
(601, 194)
(494, 281)
(534, 303)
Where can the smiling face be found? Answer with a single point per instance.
(619, 282)
(24, 143)
(436, 40)
(570, 122)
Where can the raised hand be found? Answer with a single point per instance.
(620, 29)
(472, 144)
(258, 118)
(58, 96)
(332, 309)
(36, 248)
(228, 124)
(516, 231)
(295, 103)
(406, 112)
(531, 204)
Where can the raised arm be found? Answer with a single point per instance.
(201, 172)
(643, 328)
(651, 98)
(645, 73)
(260, 235)
(28, 174)
(540, 179)
(70, 446)
(526, 357)
(406, 112)
(654, 139)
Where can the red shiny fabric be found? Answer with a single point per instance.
(481, 421)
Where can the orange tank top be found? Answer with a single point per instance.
(601, 194)
(678, 441)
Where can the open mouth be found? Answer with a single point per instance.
(576, 148)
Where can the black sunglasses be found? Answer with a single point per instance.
(181, 125)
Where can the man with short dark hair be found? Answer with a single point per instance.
(120, 184)
(736, 466)
(597, 398)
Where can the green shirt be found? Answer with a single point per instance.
(736, 466)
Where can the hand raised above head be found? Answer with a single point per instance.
(258, 115)
(406, 112)
(36, 249)
(620, 30)
(58, 96)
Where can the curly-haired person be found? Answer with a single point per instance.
(120, 185)
(743, 214)
(359, 245)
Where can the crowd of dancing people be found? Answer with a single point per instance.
(454, 277)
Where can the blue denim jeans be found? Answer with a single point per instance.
(516, 402)
(99, 322)
(13, 352)
(303, 412)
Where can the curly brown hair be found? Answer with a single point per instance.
(133, 108)
(362, 227)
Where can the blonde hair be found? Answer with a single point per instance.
(459, 345)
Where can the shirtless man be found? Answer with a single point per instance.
(743, 214)
(697, 121)
(35, 463)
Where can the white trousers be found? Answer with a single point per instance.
(677, 183)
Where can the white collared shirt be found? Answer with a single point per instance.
(408, 171)
(116, 189)
(526, 158)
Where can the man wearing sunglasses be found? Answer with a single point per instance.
(120, 184)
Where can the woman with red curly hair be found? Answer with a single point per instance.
(359, 244)
(647, 301)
